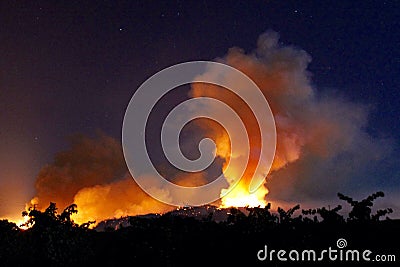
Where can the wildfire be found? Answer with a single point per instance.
(241, 197)
(16, 218)
(22, 223)
(18, 221)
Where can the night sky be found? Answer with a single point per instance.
(72, 67)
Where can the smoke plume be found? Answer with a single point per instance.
(92, 174)
(88, 162)
(322, 141)
(322, 144)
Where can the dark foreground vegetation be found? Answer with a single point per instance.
(172, 240)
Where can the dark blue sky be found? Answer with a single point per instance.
(68, 67)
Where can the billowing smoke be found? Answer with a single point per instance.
(114, 200)
(88, 162)
(322, 144)
(92, 174)
(322, 140)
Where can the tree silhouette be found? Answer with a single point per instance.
(9, 241)
(381, 213)
(361, 210)
(58, 240)
(261, 218)
(235, 216)
(6, 226)
(172, 238)
(65, 216)
(285, 217)
(262, 215)
(330, 216)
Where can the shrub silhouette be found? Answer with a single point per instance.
(285, 217)
(179, 239)
(57, 240)
(361, 210)
(330, 216)
(262, 215)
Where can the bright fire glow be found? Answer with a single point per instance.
(241, 197)
(21, 223)
(18, 221)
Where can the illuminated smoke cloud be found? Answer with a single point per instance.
(88, 162)
(321, 138)
(92, 174)
(322, 144)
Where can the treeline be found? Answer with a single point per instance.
(361, 212)
(54, 239)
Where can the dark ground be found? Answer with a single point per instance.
(181, 239)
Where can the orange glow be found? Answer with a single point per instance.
(114, 200)
(240, 197)
(21, 223)
(17, 220)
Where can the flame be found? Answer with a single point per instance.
(241, 197)
(16, 218)
(19, 222)
(91, 173)
(22, 223)
(114, 200)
